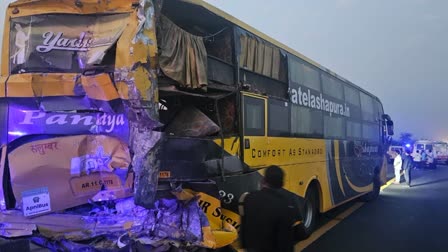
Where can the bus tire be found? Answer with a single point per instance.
(311, 207)
(375, 192)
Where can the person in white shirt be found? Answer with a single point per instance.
(397, 167)
(21, 44)
(417, 159)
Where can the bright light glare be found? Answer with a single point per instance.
(16, 133)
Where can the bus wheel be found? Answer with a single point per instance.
(375, 192)
(310, 213)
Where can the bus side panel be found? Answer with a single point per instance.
(358, 163)
(303, 161)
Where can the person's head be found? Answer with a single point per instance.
(398, 152)
(273, 177)
(418, 151)
(18, 27)
(408, 152)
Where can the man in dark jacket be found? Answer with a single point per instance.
(269, 217)
(407, 167)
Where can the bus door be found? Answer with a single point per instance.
(254, 139)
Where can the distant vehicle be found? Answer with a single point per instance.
(396, 148)
(422, 145)
(441, 151)
(426, 145)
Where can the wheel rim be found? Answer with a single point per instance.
(308, 214)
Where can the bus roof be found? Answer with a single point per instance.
(269, 39)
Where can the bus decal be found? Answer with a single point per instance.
(338, 168)
(316, 100)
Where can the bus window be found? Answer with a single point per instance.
(254, 116)
(352, 96)
(278, 123)
(311, 77)
(370, 132)
(332, 87)
(306, 122)
(368, 111)
(302, 74)
(334, 127)
(352, 100)
(379, 108)
(354, 129)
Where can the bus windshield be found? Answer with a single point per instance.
(64, 43)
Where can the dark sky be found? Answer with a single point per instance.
(396, 49)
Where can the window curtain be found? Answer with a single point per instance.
(259, 56)
(182, 56)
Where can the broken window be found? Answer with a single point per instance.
(191, 116)
(44, 43)
(182, 55)
(219, 45)
(206, 37)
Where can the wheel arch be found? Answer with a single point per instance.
(314, 184)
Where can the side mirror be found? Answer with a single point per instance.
(390, 128)
(387, 121)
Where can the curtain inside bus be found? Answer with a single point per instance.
(259, 56)
(182, 55)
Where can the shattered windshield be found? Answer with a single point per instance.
(64, 43)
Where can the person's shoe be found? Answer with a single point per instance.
(409, 185)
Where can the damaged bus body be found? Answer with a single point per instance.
(178, 105)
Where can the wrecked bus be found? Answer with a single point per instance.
(150, 118)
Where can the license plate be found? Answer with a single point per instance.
(165, 174)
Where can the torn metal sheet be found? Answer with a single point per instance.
(16, 230)
(173, 221)
(143, 95)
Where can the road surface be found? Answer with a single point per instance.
(401, 219)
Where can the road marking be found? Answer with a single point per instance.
(329, 225)
(388, 183)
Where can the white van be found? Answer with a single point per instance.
(441, 152)
(427, 146)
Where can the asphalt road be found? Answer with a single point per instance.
(401, 219)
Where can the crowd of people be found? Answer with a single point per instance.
(406, 161)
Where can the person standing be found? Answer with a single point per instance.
(417, 159)
(431, 160)
(268, 216)
(397, 167)
(407, 167)
(19, 57)
(424, 159)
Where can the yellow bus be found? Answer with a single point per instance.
(179, 95)
(262, 103)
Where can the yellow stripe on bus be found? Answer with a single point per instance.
(338, 165)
